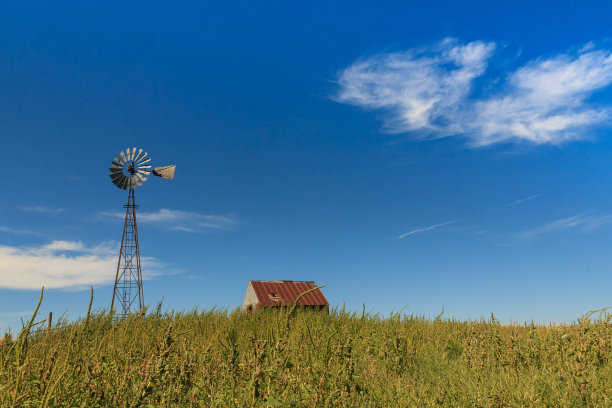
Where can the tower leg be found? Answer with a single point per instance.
(127, 292)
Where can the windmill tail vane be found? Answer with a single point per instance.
(129, 170)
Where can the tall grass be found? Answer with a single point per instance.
(300, 358)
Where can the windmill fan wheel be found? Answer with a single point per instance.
(130, 168)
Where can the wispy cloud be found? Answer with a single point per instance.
(428, 92)
(18, 231)
(581, 222)
(419, 89)
(428, 228)
(42, 209)
(181, 220)
(522, 200)
(63, 264)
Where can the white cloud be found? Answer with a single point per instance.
(420, 89)
(546, 101)
(62, 264)
(428, 228)
(581, 222)
(57, 246)
(428, 92)
(181, 220)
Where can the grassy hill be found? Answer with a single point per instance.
(298, 358)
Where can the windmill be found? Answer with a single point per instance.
(128, 171)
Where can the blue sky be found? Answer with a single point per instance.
(433, 155)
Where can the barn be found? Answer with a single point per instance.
(283, 293)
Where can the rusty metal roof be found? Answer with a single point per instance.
(284, 293)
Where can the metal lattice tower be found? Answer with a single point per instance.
(128, 280)
(128, 171)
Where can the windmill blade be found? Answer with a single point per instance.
(166, 172)
(141, 157)
(141, 177)
(115, 176)
(145, 161)
(135, 181)
(128, 154)
(133, 153)
(146, 173)
(138, 157)
(114, 171)
(118, 160)
(125, 160)
(125, 184)
(145, 167)
(118, 181)
(117, 165)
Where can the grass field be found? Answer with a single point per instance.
(298, 358)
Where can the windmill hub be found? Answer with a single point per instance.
(128, 171)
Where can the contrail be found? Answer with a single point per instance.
(522, 200)
(429, 228)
